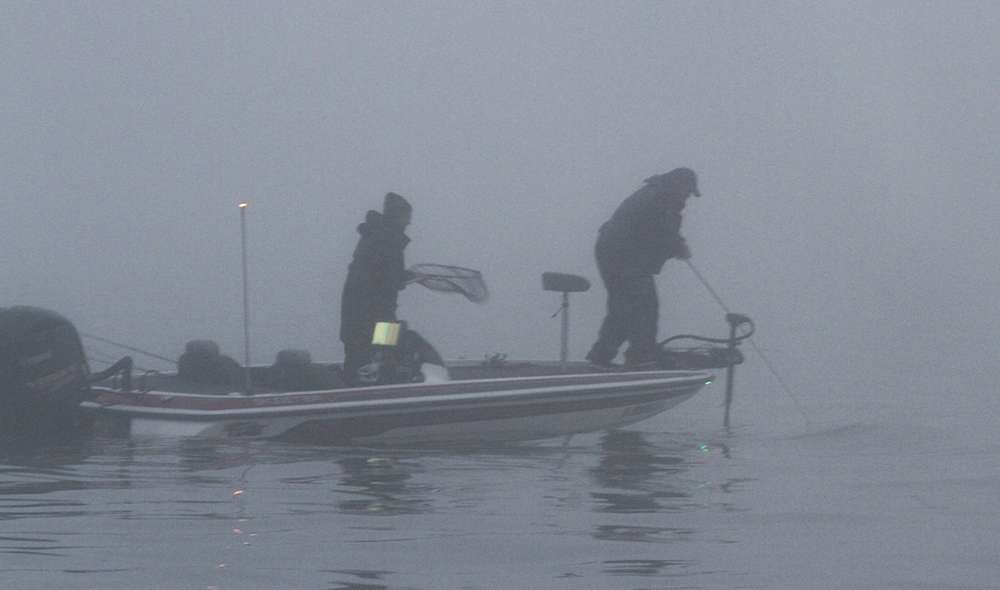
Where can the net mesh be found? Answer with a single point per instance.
(451, 279)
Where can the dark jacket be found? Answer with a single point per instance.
(644, 232)
(374, 278)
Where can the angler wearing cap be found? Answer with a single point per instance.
(632, 246)
(376, 275)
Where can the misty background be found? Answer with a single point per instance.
(846, 152)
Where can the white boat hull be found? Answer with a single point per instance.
(459, 411)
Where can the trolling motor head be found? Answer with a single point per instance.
(736, 319)
(713, 353)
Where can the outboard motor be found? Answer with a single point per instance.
(43, 372)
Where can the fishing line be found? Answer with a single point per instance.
(101, 356)
(753, 343)
(107, 359)
(126, 347)
(715, 295)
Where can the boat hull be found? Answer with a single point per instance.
(504, 409)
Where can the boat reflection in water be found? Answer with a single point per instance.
(636, 476)
(381, 486)
(658, 503)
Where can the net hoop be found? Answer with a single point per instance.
(451, 279)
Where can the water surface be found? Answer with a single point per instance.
(870, 485)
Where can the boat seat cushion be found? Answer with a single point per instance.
(564, 283)
(202, 362)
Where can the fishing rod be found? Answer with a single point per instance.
(753, 343)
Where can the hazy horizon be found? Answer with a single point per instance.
(846, 156)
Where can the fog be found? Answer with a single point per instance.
(846, 152)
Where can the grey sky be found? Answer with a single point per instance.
(847, 153)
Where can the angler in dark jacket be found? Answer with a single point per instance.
(376, 275)
(632, 246)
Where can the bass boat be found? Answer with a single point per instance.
(513, 401)
(407, 395)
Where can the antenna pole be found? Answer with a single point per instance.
(246, 300)
(564, 333)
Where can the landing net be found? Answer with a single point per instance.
(451, 279)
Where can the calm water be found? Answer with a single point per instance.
(880, 482)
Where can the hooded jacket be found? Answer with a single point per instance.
(374, 278)
(644, 231)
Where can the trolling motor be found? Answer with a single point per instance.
(741, 327)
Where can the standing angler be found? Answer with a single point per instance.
(376, 275)
(632, 246)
